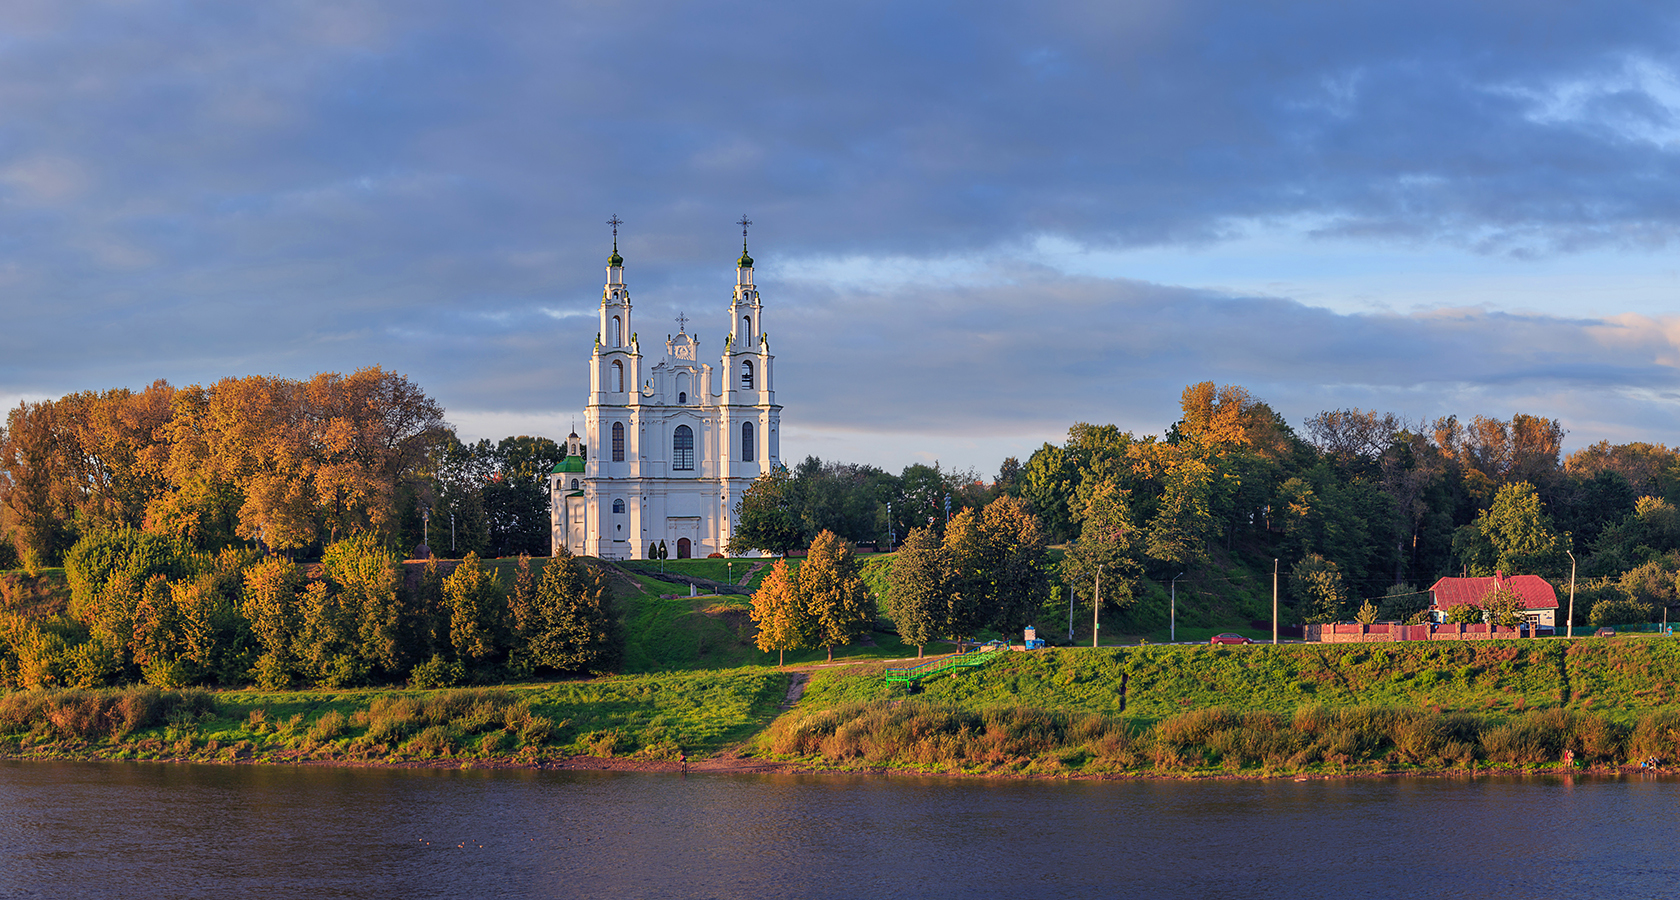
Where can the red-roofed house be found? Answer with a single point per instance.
(1535, 592)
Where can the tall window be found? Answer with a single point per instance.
(682, 449)
(617, 332)
(618, 442)
(618, 506)
(746, 329)
(618, 376)
(746, 375)
(746, 442)
(574, 484)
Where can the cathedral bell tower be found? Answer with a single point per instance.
(747, 350)
(617, 367)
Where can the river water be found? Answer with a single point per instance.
(157, 830)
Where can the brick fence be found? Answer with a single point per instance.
(1390, 631)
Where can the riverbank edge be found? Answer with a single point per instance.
(732, 764)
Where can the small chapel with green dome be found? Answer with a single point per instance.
(669, 443)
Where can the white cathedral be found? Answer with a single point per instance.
(667, 451)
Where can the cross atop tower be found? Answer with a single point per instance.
(744, 223)
(615, 259)
(682, 322)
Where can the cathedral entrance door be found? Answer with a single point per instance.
(684, 548)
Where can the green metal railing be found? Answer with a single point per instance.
(912, 674)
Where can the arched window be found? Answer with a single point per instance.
(682, 449)
(618, 506)
(617, 331)
(618, 376)
(682, 397)
(746, 442)
(618, 442)
(746, 375)
(746, 329)
(574, 484)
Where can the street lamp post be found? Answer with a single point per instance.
(1096, 607)
(1571, 627)
(1070, 614)
(1172, 616)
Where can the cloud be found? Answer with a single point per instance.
(192, 190)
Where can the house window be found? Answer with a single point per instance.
(618, 376)
(746, 375)
(682, 449)
(618, 442)
(618, 506)
(746, 442)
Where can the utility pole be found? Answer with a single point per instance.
(1096, 607)
(1571, 631)
(1070, 613)
(1274, 599)
(1172, 615)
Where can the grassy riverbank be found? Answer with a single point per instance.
(1258, 711)
(650, 717)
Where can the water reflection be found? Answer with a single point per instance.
(147, 830)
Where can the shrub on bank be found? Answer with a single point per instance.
(933, 736)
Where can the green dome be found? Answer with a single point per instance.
(615, 259)
(568, 465)
(746, 261)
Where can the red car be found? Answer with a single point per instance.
(1229, 638)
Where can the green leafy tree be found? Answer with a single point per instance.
(1048, 482)
(1519, 534)
(270, 604)
(366, 574)
(783, 621)
(838, 602)
(1466, 614)
(1015, 564)
(1179, 530)
(328, 646)
(1316, 584)
(1504, 607)
(916, 589)
(476, 611)
(1618, 611)
(967, 585)
(1108, 540)
(766, 518)
(573, 628)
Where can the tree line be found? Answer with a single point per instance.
(144, 607)
(1357, 505)
(263, 461)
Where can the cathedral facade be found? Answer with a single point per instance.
(670, 443)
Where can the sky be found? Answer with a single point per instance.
(975, 223)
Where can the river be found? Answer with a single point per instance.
(177, 831)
